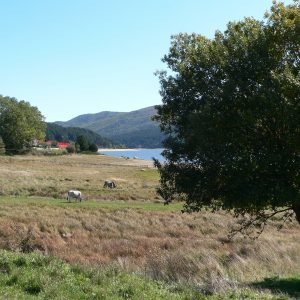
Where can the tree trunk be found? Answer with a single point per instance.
(296, 209)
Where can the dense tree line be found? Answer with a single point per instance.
(231, 109)
(59, 133)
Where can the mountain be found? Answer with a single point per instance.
(60, 133)
(133, 129)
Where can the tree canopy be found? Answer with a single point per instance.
(59, 133)
(20, 124)
(85, 145)
(231, 110)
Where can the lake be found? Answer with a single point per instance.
(146, 154)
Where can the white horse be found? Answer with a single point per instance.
(72, 194)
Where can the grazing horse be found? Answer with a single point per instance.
(109, 184)
(72, 194)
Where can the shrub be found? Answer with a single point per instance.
(71, 149)
(93, 147)
(2, 146)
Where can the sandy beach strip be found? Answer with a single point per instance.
(116, 150)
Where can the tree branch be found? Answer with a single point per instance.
(258, 221)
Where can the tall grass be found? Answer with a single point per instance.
(38, 277)
(164, 245)
(131, 230)
(33, 276)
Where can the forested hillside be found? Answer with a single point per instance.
(134, 129)
(59, 133)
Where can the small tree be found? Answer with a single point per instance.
(71, 148)
(93, 147)
(231, 109)
(83, 143)
(2, 146)
(77, 147)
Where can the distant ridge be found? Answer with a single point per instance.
(133, 129)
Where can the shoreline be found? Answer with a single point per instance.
(117, 150)
(139, 155)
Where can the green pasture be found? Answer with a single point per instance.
(33, 276)
(89, 204)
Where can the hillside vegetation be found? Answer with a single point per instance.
(134, 129)
(60, 133)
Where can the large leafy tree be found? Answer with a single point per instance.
(20, 124)
(231, 110)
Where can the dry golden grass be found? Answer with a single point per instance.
(54, 176)
(163, 244)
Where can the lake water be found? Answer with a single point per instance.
(146, 154)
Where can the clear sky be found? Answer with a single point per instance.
(71, 57)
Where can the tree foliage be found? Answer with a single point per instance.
(83, 143)
(93, 147)
(20, 124)
(231, 110)
(59, 133)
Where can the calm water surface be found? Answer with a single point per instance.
(146, 154)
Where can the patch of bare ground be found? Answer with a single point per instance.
(161, 244)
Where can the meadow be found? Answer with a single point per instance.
(119, 242)
(53, 176)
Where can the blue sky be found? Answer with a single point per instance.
(71, 57)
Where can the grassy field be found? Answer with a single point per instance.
(178, 256)
(53, 176)
(33, 276)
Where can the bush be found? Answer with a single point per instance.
(2, 146)
(93, 147)
(71, 149)
(83, 142)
